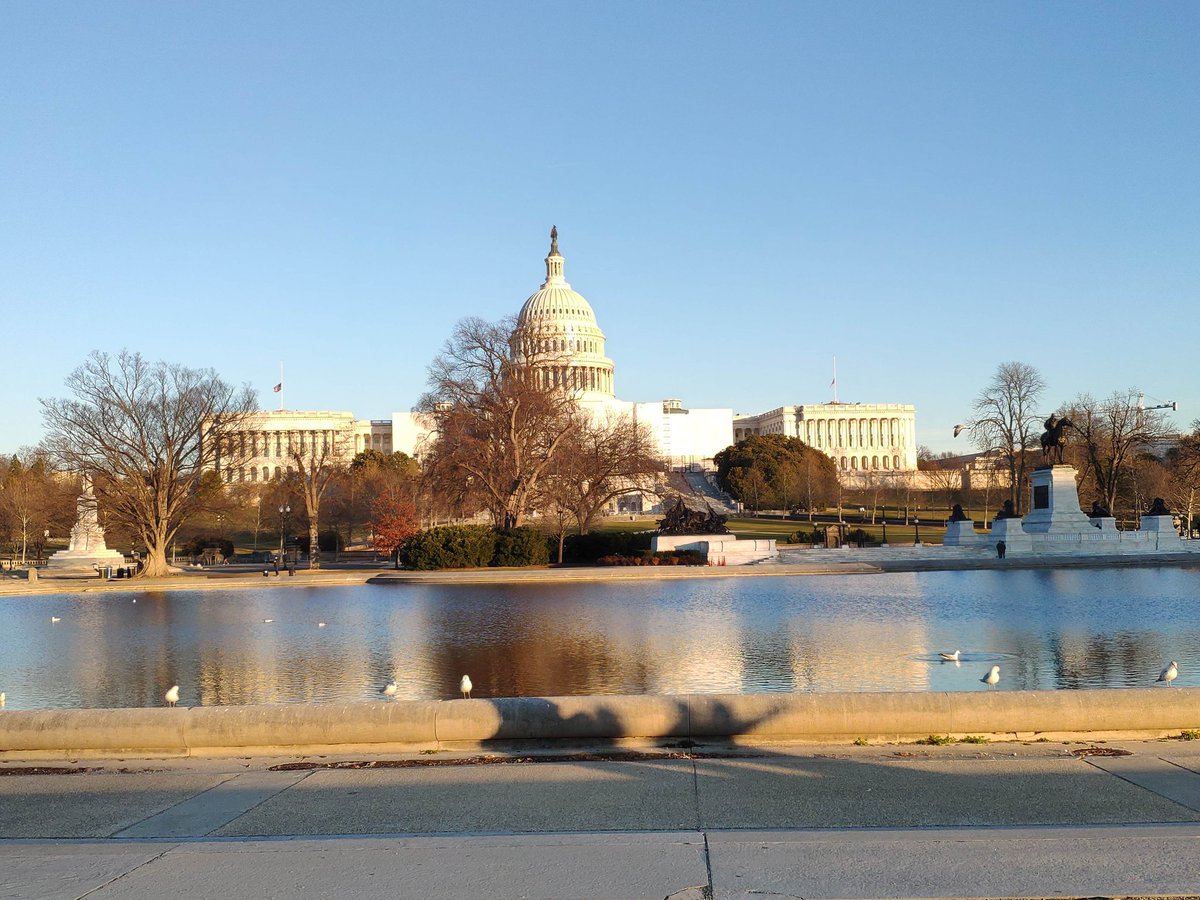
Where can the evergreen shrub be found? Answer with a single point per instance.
(450, 547)
(521, 547)
(330, 541)
(590, 548)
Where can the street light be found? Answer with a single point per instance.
(284, 513)
(885, 543)
(917, 540)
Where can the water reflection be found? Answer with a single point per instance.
(1047, 629)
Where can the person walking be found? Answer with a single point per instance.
(1000, 548)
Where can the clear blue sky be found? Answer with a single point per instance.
(743, 191)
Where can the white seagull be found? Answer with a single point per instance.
(268, 621)
(950, 657)
(320, 624)
(56, 618)
(992, 678)
(172, 696)
(3, 699)
(389, 689)
(465, 686)
(1170, 673)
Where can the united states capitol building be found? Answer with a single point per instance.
(558, 334)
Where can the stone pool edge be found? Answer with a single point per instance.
(408, 725)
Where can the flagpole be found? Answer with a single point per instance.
(281, 386)
(834, 382)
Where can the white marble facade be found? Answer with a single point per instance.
(858, 437)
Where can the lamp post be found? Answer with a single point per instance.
(917, 539)
(284, 513)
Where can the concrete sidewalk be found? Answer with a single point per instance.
(884, 821)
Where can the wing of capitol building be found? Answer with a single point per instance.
(558, 333)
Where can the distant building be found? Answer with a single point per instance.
(264, 448)
(858, 437)
(557, 334)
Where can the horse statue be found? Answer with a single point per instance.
(1054, 438)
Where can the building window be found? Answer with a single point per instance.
(266, 473)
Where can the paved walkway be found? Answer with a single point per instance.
(1007, 820)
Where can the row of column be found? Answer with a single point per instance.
(869, 433)
(277, 444)
(581, 378)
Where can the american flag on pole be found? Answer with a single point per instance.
(278, 387)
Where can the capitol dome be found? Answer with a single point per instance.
(557, 333)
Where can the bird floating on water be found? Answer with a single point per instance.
(389, 689)
(992, 678)
(320, 624)
(172, 695)
(268, 621)
(1170, 673)
(950, 657)
(465, 686)
(56, 618)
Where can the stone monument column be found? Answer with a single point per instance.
(87, 547)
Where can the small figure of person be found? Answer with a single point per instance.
(1001, 547)
(276, 566)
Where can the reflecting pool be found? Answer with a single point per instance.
(1047, 629)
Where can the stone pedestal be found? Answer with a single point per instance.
(961, 534)
(1105, 523)
(1009, 530)
(718, 549)
(1159, 524)
(1161, 533)
(1055, 503)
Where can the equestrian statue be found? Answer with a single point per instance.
(1054, 438)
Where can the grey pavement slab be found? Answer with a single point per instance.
(563, 867)
(52, 871)
(575, 796)
(1158, 775)
(987, 862)
(790, 792)
(91, 804)
(205, 813)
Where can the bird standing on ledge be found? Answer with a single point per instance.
(1170, 673)
(465, 686)
(172, 696)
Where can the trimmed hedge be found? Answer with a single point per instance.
(590, 548)
(474, 546)
(664, 558)
(331, 541)
(450, 547)
(521, 547)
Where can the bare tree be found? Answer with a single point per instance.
(1006, 420)
(1111, 432)
(319, 458)
(146, 433)
(33, 500)
(600, 461)
(1183, 464)
(498, 427)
